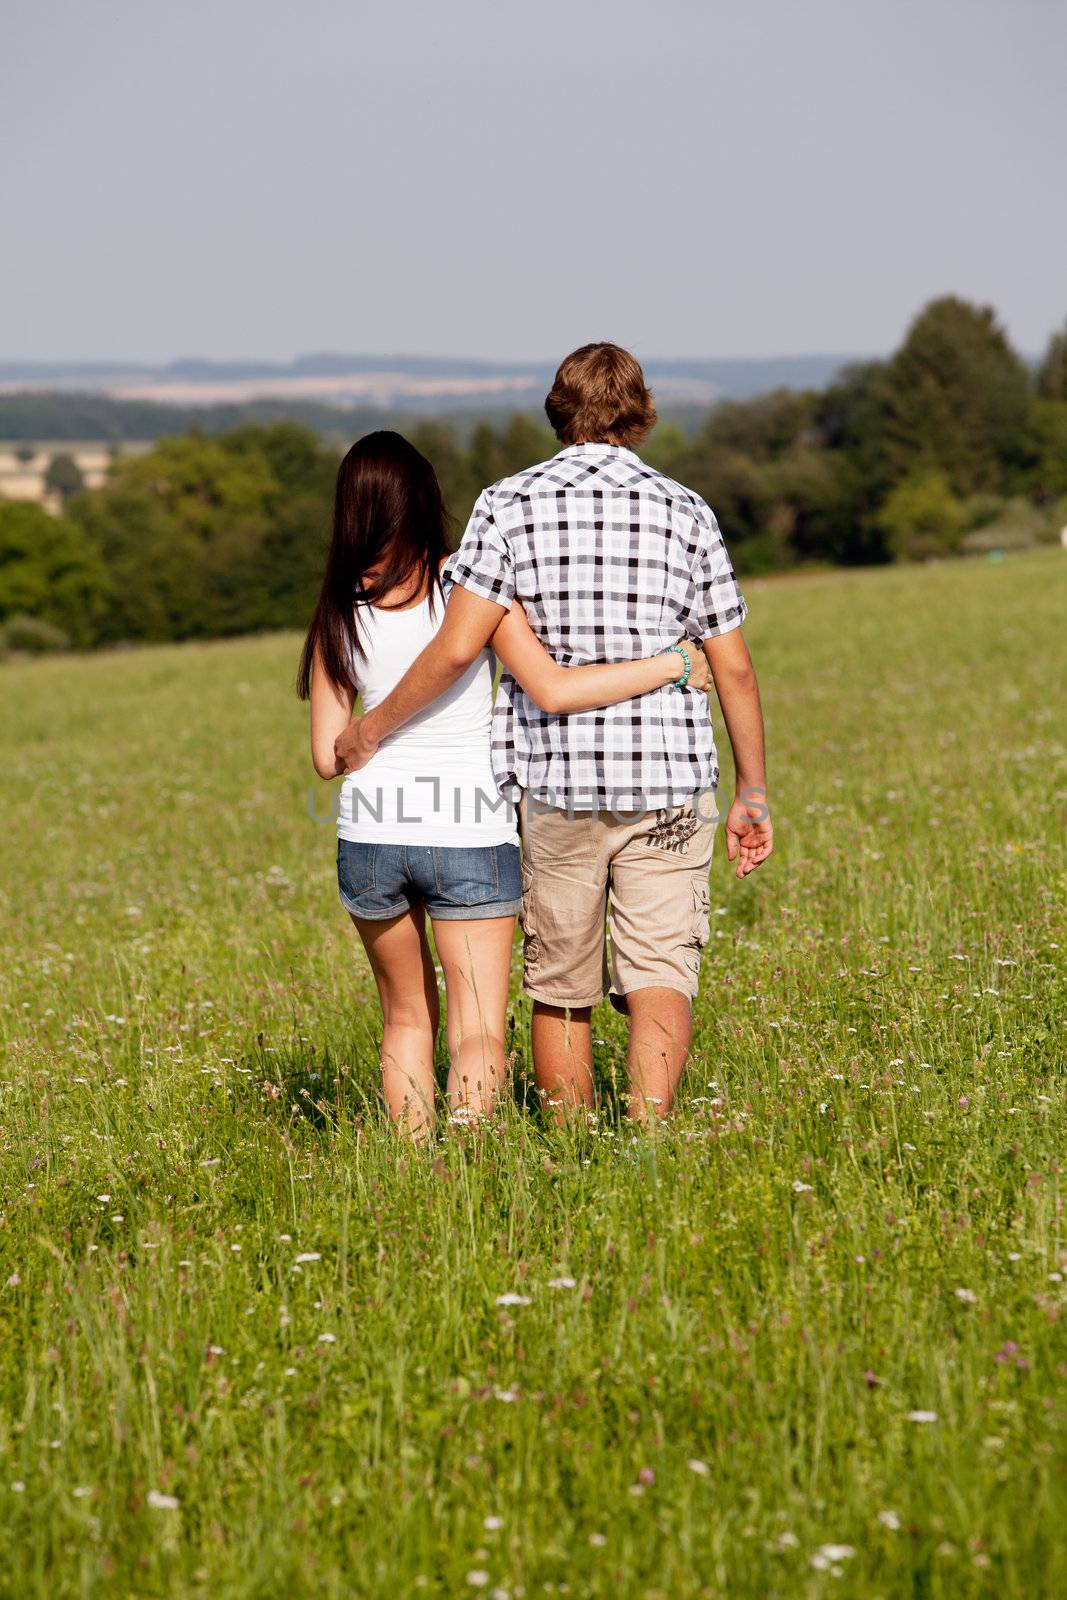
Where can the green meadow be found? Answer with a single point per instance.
(807, 1339)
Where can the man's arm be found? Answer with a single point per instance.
(468, 623)
(749, 834)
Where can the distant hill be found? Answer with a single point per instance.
(378, 384)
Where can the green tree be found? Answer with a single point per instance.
(181, 530)
(485, 456)
(922, 518)
(281, 591)
(851, 419)
(1052, 373)
(740, 491)
(64, 475)
(812, 507)
(525, 442)
(452, 464)
(298, 461)
(50, 571)
(956, 397)
(665, 448)
(1045, 475)
(762, 428)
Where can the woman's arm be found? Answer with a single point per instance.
(561, 690)
(331, 712)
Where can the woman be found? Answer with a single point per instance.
(421, 828)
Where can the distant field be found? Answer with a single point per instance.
(807, 1340)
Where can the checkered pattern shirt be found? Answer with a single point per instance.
(612, 561)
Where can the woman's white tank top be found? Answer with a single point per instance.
(431, 782)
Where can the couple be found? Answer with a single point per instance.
(606, 592)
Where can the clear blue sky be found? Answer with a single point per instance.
(242, 178)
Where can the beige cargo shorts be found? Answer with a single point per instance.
(643, 879)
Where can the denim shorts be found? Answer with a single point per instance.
(455, 883)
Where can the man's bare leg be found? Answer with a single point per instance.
(661, 1026)
(563, 1055)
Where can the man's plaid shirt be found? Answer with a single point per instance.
(612, 562)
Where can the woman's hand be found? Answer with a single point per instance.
(699, 676)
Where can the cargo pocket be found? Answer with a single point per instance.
(531, 948)
(701, 928)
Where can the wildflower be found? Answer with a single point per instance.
(478, 1579)
(14, 1281)
(161, 1502)
(968, 1296)
(491, 1524)
(597, 1540)
(18, 1487)
(512, 1299)
(701, 1468)
(327, 1338)
(81, 1493)
(562, 1283)
(890, 1520)
(308, 1255)
(828, 1555)
(922, 1416)
(646, 1476)
(788, 1540)
(801, 1188)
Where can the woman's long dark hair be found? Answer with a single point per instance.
(388, 513)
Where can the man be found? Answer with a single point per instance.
(611, 560)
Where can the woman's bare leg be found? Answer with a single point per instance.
(407, 987)
(476, 957)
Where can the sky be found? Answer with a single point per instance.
(480, 178)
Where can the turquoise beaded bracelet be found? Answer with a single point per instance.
(683, 677)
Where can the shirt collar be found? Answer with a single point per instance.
(608, 451)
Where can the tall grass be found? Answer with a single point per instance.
(807, 1339)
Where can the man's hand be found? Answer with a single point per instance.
(749, 834)
(699, 672)
(355, 744)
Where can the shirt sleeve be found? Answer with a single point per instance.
(716, 604)
(484, 563)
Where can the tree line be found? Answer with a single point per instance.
(952, 444)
